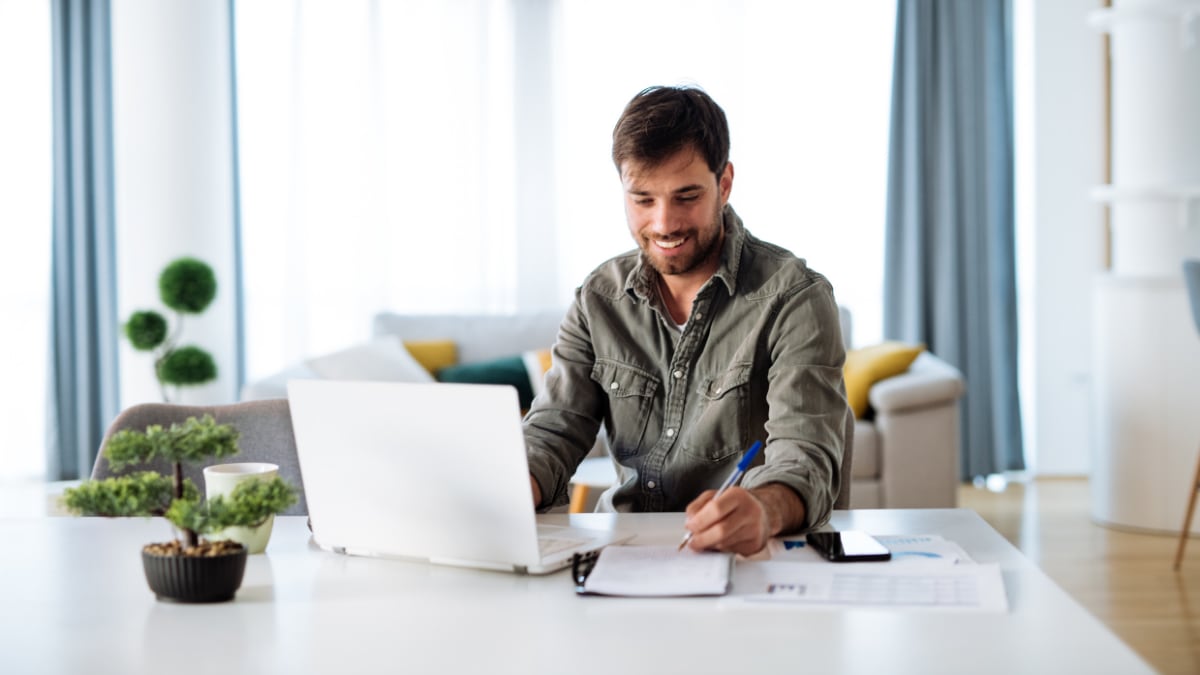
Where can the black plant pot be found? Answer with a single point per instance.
(195, 578)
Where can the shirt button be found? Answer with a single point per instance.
(670, 433)
(614, 385)
(678, 374)
(699, 315)
(650, 484)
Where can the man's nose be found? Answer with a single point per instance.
(665, 219)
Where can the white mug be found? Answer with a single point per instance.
(221, 479)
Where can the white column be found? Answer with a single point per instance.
(1147, 356)
(174, 183)
(1068, 230)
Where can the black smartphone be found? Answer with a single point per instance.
(848, 546)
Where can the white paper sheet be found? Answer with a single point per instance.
(968, 587)
(905, 548)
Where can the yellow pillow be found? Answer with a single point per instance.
(433, 355)
(866, 366)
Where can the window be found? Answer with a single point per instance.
(25, 210)
(389, 162)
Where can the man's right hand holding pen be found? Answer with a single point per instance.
(739, 520)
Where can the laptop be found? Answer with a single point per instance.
(428, 471)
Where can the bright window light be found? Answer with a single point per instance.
(25, 210)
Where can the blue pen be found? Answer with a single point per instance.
(729, 482)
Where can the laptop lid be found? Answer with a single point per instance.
(434, 471)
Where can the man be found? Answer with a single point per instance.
(694, 346)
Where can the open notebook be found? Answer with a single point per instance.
(430, 471)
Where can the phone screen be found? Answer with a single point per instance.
(848, 546)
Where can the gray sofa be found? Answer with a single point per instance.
(905, 456)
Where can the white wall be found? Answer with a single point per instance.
(1068, 229)
(174, 175)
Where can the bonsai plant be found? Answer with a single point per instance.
(187, 286)
(190, 568)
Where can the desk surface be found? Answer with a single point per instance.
(73, 599)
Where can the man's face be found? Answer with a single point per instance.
(674, 212)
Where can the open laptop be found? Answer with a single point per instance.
(431, 471)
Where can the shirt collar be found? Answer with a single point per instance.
(641, 280)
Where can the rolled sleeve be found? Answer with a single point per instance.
(563, 421)
(807, 409)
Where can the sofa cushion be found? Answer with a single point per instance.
(383, 358)
(433, 355)
(478, 337)
(508, 370)
(868, 365)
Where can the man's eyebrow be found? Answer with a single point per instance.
(686, 188)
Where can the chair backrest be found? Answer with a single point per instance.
(1191, 275)
(266, 436)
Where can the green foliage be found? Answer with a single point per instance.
(146, 330)
(187, 285)
(192, 441)
(149, 493)
(187, 365)
(145, 493)
(249, 505)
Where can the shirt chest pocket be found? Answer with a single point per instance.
(630, 399)
(720, 426)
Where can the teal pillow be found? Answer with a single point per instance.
(507, 370)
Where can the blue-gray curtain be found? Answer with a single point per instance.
(950, 269)
(83, 391)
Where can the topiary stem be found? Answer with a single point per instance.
(168, 346)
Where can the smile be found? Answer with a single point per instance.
(670, 244)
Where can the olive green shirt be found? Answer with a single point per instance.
(760, 358)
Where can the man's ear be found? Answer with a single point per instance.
(726, 182)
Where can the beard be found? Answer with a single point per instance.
(706, 245)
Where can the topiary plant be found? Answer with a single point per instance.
(187, 286)
(149, 493)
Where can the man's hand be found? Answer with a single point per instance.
(742, 520)
(537, 491)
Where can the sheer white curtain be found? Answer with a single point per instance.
(376, 163)
(382, 160)
(25, 211)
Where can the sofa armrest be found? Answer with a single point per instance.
(929, 382)
(916, 421)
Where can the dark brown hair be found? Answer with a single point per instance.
(661, 121)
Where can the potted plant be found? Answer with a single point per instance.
(186, 285)
(191, 568)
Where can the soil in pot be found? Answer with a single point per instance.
(210, 572)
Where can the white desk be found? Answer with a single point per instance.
(73, 599)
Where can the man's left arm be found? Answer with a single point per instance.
(795, 488)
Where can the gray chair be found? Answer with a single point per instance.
(1191, 275)
(266, 436)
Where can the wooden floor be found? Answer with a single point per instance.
(1123, 578)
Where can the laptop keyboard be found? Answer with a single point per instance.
(551, 545)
